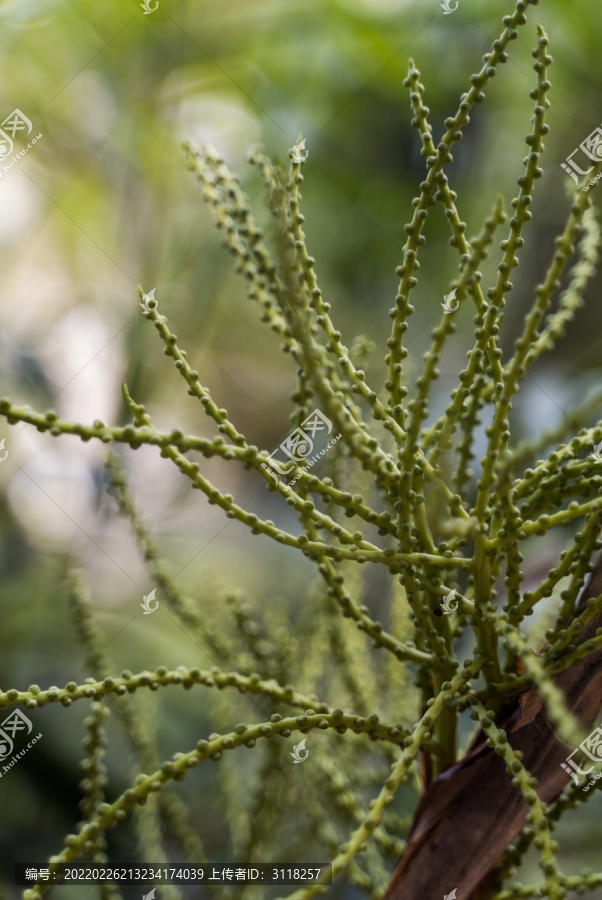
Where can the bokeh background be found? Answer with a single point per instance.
(104, 202)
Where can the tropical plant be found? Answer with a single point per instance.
(445, 539)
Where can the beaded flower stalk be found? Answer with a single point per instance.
(381, 701)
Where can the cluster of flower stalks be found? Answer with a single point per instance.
(381, 701)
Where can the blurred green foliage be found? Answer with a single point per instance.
(104, 202)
